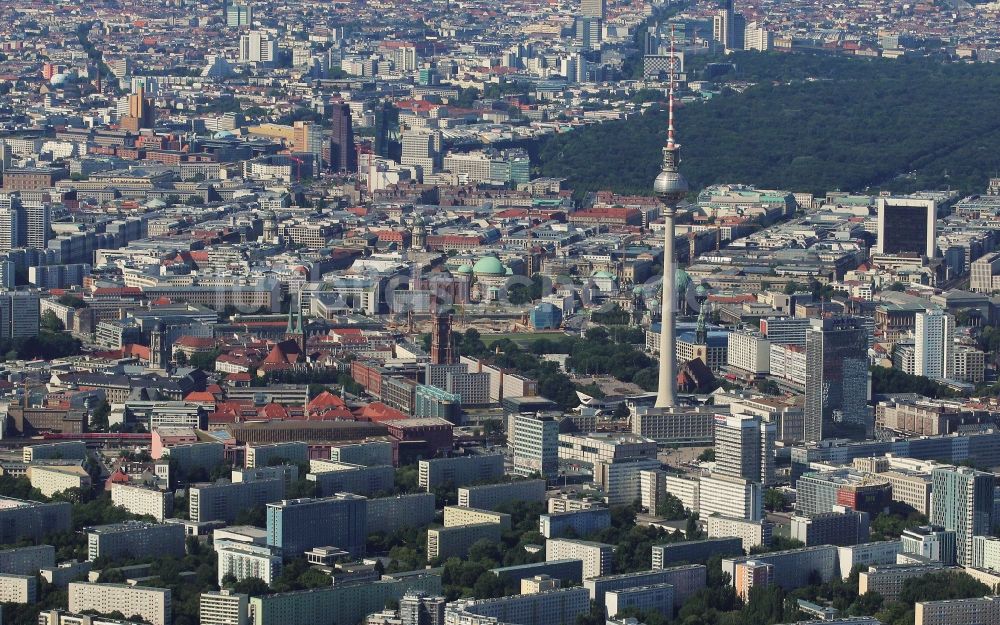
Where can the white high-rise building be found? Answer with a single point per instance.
(934, 345)
(535, 445)
(35, 224)
(421, 149)
(8, 228)
(744, 448)
(223, 608)
(258, 47)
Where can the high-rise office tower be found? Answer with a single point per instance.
(534, 442)
(257, 47)
(962, 503)
(729, 27)
(588, 32)
(836, 374)
(34, 224)
(386, 128)
(298, 525)
(422, 149)
(671, 187)
(238, 15)
(934, 345)
(593, 8)
(19, 314)
(342, 154)
(744, 447)
(9, 230)
(907, 226)
(442, 350)
(141, 112)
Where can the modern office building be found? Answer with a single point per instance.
(343, 156)
(297, 525)
(836, 375)
(152, 604)
(962, 502)
(223, 608)
(459, 471)
(238, 15)
(934, 345)
(822, 491)
(936, 544)
(598, 558)
(534, 443)
(907, 226)
(744, 448)
(135, 539)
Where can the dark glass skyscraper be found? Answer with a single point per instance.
(836, 374)
(342, 154)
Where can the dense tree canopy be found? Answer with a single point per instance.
(809, 124)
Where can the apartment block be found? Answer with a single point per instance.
(55, 479)
(387, 514)
(980, 611)
(686, 580)
(223, 500)
(244, 560)
(461, 515)
(338, 477)
(730, 496)
(368, 453)
(63, 450)
(152, 604)
(564, 570)
(32, 520)
(18, 588)
(297, 525)
(273, 453)
(581, 522)
(831, 528)
(752, 533)
(223, 608)
(867, 554)
(143, 501)
(695, 551)
(490, 496)
(793, 567)
(135, 539)
(66, 572)
(459, 471)
(598, 558)
(455, 541)
(27, 560)
(348, 604)
(656, 597)
(887, 579)
(554, 607)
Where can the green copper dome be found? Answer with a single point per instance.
(489, 266)
(464, 269)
